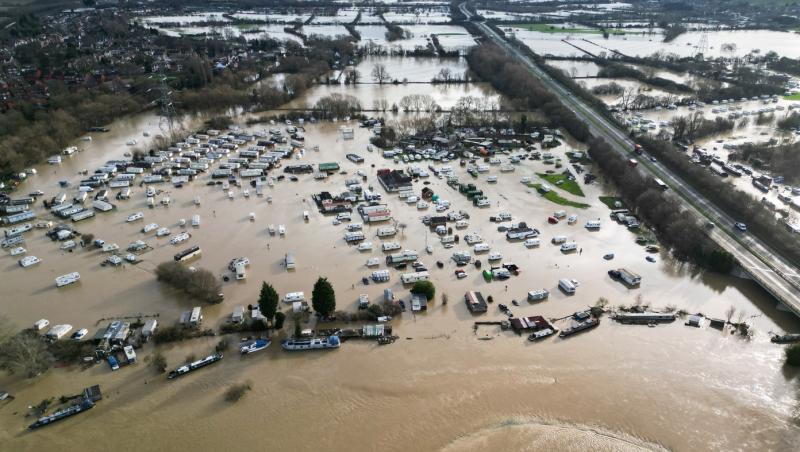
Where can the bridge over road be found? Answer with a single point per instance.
(775, 274)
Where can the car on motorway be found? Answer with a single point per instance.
(652, 159)
(741, 226)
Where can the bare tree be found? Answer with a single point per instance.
(730, 313)
(380, 74)
(26, 353)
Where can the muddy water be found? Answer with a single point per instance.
(614, 388)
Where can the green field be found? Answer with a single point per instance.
(557, 28)
(795, 96)
(552, 196)
(561, 181)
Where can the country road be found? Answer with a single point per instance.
(778, 276)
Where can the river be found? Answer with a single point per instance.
(439, 387)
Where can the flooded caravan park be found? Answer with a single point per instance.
(664, 387)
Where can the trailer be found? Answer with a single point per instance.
(410, 278)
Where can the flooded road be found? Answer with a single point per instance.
(615, 388)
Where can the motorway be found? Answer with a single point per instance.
(776, 275)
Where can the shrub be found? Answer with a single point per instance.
(159, 362)
(793, 355)
(425, 288)
(237, 391)
(280, 317)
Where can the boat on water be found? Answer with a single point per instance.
(135, 216)
(254, 346)
(578, 326)
(311, 343)
(785, 338)
(541, 334)
(194, 365)
(69, 278)
(86, 404)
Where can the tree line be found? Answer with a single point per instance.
(691, 127)
(681, 232)
(524, 91)
(738, 204)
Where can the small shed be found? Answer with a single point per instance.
(238, 314)
(419, 302)
(695, 321)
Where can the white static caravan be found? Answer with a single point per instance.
(289, 261)
(410, 278)
(569, 286)
(292, 297)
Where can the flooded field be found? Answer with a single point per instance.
(682, 388)
(445, 96)
(642, 42)
(451, 37)
(411, 69)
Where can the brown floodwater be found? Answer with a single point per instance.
(438, 388)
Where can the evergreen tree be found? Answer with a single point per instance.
(323, 298)
(268, 301)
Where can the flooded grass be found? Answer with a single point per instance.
(552, 196)
(563, 182)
